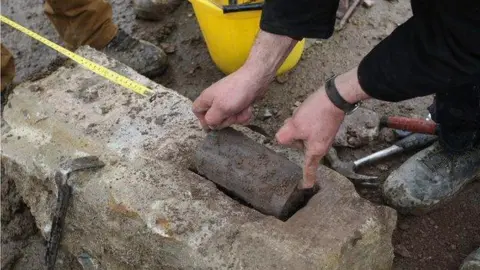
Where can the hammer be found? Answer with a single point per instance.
(347, 169)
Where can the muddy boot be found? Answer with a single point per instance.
(155, 10)
(429, 178)
(144, 57)
(472, 262)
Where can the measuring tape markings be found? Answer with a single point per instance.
(88, 64)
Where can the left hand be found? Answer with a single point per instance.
(312, 127)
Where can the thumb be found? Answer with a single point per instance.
(286, 134)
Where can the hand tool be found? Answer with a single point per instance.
(63, 197)
(402, 133)
(414, 125)
(250, 171)
(347, 169)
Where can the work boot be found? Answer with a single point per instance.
(472, 262)
(429, 178)
(142, 56)
(155, 10)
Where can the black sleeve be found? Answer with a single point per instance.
(300, 18)
(435, 51)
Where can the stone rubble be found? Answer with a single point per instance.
(358, 129)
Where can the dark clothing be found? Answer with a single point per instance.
(436, 51)
(299, 19)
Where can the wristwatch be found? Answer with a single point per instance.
(337, 99)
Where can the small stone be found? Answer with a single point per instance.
(283, 78)
(358, 129)
(189, 15)
(168, 48)
(267, 114)
(401, 250)
(403, 226)
(353, 141)
(370, 124)
(453, 247)
(298, 103)
(368, 3)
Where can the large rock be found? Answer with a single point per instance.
(145, 209)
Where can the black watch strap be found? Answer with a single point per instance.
(337, 99)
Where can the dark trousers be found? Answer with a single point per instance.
(436, 51)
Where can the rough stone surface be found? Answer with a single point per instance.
(358, 129)
(326, 234)
(145, 209)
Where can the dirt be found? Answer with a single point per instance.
(440, 240)
(23, 247)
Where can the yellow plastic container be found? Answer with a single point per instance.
(230, 36)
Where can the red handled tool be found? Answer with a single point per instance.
(414, 125)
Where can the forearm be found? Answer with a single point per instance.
(267, 55)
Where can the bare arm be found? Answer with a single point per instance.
(316, 122)
(229, 101)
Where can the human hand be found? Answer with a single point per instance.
(312, 127)
(229, 101)
(316, 122)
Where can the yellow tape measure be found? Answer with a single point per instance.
(92, 66)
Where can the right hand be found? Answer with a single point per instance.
(229, 101)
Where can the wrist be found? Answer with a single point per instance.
(349, 88)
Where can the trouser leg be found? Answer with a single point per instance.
(8, 67)
(458, 113)
(82, 22)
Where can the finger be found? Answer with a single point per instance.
(200, 107)
(242, 118)
(215, 116)
(312, 160)
(201, 119)
(297, 144)
(227, 122)
(287, 133)
(245, 116)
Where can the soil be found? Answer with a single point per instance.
(23, 247)
(439, 240)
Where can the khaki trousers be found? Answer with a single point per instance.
(78, 22)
